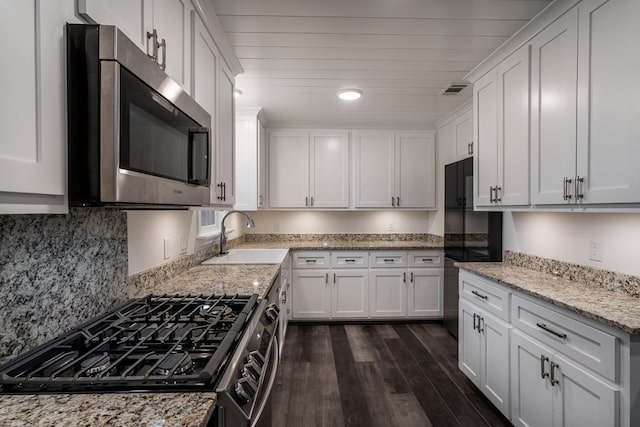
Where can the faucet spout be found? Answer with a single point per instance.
(223, 235)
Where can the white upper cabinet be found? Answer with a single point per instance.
(139, 18)
(33, 137)
(224, 176)
(463, 130)
(248, 163)
(501, 104)
(133, 17)
(288, 169)
(263, 162)
(309, 169)
(554, 65)
(609, 114)
(374, 169)
(394, 169)
(204, 64)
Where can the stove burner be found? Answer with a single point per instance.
(224, 312)
(96, 364)
(178, 363)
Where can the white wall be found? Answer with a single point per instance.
(146, 231)
(309, 222)
(565, 236)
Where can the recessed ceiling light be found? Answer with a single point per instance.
(237, 93)
(349, 94)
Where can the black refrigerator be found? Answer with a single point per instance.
(469, 236)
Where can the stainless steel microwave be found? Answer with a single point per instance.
(136, 138)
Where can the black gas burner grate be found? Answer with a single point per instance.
(160, 342)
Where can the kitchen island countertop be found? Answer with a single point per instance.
(612, 308)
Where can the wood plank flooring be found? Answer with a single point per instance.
(355, 375)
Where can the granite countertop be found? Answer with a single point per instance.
(354, 245)
(142, 409)
(613, 308)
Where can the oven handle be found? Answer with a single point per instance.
(275, 357)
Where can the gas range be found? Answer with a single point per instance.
(156, 343)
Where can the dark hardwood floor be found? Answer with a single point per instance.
(374, 375)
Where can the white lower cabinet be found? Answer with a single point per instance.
(311, 294)
(483, 353)
(367, 285)
(569, 374)
(350, 294)
(550, 390)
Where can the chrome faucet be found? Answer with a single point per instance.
(223, 236)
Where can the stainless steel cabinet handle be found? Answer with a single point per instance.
(224, 191)
(220, 197)
(471, 148)
(475, 316)
(334, 278)
(260, 200)
(393, 202)
(404, 277)
(411, 280)
(388, 260)
(553, 378)
(543, 359)
(349, 261)
(480, 324)
(326, 278)
(479, 295)
(398, 201)
(551, 331)
(566, 188)
(427, 259)
(163, 46)
(311, 198)
(498, 199)
(578, 187)
(310, 261)
(491, 199)
(154, 45)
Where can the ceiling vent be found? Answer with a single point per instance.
(453, 88)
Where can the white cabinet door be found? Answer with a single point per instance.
(531, 391)
(33, 136)
(609, 119)
(579, 399)
(262, 166)
(329, 169)
(513, 129)
(387, 292)
(424, 298)
(350, 294)
(225, 147)
(204, 64)
(485, 107)
(469, 342)
(415, 182)
(554, 64)
(171, 19)
(311, 296)
(463, 129)
(373, 168)
(132, 17)
(494, 381)
(246, 162)
(288, 169)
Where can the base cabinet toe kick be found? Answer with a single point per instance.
(543, 365)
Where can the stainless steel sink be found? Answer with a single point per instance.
(250, 256)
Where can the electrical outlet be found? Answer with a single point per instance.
(595, 250)
(183, 245)
(391, 227)
(167, 248)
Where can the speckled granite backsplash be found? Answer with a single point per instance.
(57, 271)
(607, 279)
(356, 237)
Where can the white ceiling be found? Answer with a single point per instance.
(297, 54)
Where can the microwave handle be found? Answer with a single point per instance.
(199, 152)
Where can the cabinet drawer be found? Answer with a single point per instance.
(426, 259)
(585, 344)
(388, 259)
(493, 299)
(310, 259)
(342, 259)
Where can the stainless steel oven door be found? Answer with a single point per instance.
(150, 152)
(244, 388)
